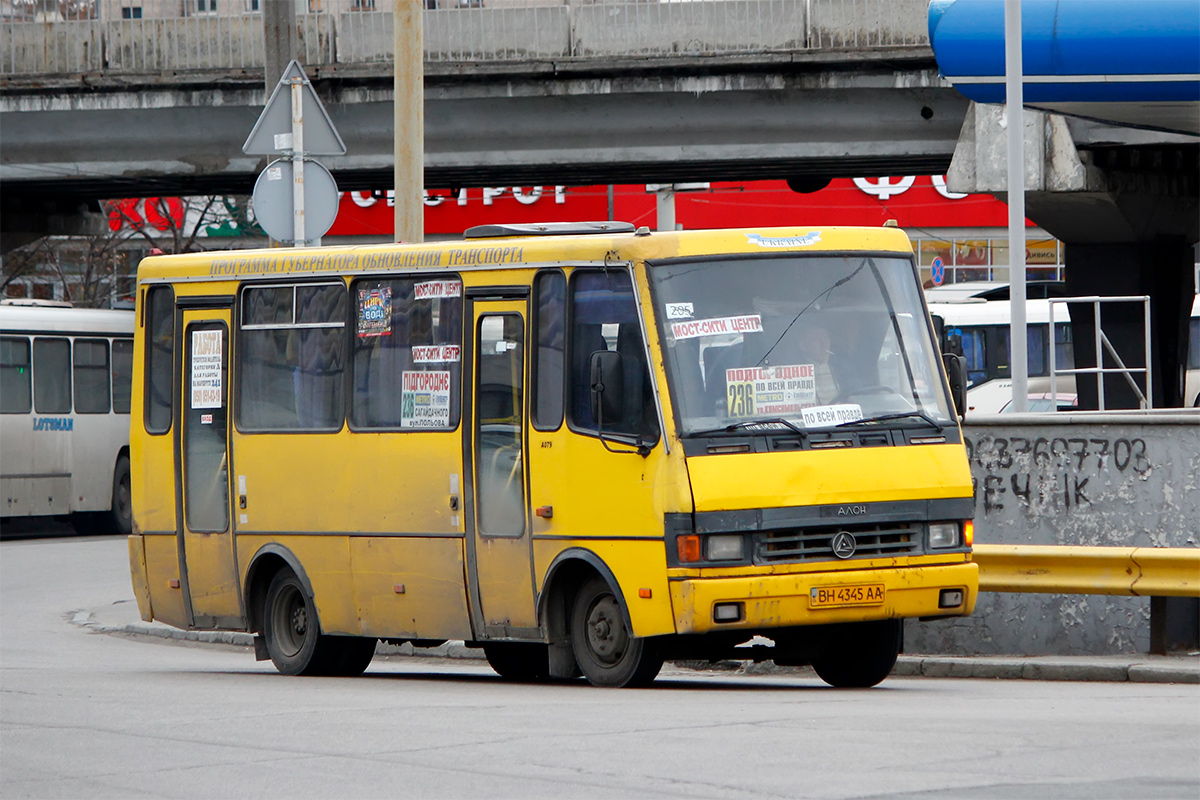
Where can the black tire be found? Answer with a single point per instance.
(606, 650)
(346, 656)
(121, 514)
(517, 661)
(860, 654)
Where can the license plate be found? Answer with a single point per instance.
(868, 594)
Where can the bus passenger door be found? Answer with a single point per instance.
(499, 553)
(207, 560)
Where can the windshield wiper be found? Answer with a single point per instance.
(889, 417)
(753, 425)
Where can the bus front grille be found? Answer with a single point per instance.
(816, 544)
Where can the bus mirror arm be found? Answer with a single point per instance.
(956, 373)
(607, 379)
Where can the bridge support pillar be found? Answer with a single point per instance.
(1129, 215)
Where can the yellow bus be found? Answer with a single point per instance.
(582, 447)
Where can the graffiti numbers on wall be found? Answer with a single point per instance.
(1051, 475)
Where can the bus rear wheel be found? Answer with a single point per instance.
(121, 515)
(292, 632)
(605, 648)
(516, 661)
(860, 654)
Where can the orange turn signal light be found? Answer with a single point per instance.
(969, 532)
(688, 547)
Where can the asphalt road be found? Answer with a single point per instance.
(84, 714)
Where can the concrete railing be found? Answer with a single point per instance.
(1069, 504)
(500, 32)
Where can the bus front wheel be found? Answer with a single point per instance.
(605, 648)
(860, 654)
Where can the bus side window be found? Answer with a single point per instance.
(974, 349)
(292, 357)
(122, 374)
(1064, 346)
(604, 316)
(91, 376)
(407, 350)
(160, 355)
(16, 384)
(52, 375)
(549, 324)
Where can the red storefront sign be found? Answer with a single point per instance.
(914, 202)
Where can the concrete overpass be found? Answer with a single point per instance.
(571, 94)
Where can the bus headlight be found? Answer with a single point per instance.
(943, 535)
(723, 547)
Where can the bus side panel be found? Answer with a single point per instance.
(317, 489)
(410, 587)
(50, 492)
(358, 483)
(326, 562)
(95, 444)
(162, 567)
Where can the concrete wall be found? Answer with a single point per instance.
(600, 30)
(697, 27)
(1073, 479)
(51, 48)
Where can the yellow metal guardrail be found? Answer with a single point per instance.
(1061, 569)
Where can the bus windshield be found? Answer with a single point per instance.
(796, 342)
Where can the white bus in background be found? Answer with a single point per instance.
(65, 379)
(983, 327)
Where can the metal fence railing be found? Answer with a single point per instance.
(63, 37)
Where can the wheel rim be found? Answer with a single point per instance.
(290, 619)
(607, 638)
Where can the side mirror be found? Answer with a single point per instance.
(956, 372)
(608, 385)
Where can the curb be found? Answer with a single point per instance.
(1035, 668)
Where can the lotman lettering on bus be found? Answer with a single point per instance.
(583, 448)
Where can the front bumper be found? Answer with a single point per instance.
(780, 601)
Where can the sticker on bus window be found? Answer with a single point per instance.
(680, 311)
(770, 391)
(717, 327)
(425, 400)
(824, 416)
(435, 353)
(375, 312)
(206, 369)
(436, 290)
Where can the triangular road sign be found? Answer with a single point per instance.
(320, 137)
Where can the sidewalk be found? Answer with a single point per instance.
(122, 618)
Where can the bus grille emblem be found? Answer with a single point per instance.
(843, 544)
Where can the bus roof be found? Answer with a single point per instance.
(57, 319)
(515, 251)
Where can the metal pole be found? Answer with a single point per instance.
(298, 231)
(409, 54)
(666, 207)
(279, 39)
(1015, 96)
